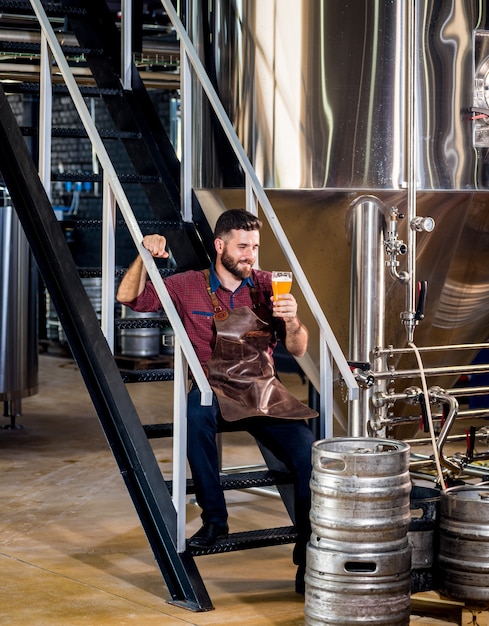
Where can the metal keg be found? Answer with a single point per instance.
(463, 560)
(359, 559)
(54, 328)
(93, 287)
(52, 320)
(360, 491)
(353, 587)
(140, 341)
(422, 536)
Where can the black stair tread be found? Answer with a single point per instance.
(243, 480)
(91, 177)
(250, 539)
(52, 9)
(147, 375)
(35, 48)
(80, 132)
(96, 272)
(13, 87)
(154, 431)
(141, 322)
(150, 225)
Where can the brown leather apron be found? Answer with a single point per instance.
(241, 371)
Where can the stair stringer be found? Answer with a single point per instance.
(114, 407)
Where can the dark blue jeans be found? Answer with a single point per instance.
(289, 441)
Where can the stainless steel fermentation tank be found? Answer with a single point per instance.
(335, 101)
(18, 313)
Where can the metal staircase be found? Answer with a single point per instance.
(156, 171)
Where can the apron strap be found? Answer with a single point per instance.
(215, 303)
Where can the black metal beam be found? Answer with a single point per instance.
(116, 412)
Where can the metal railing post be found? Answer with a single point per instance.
(108, 263)
(126, 44)
(186, 136)
(45, 116)
(179, 495)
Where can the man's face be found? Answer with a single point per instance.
(239, 251)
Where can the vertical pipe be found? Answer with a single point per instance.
(367, 297)
(408, 316)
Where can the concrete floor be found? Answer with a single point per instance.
(72, 551)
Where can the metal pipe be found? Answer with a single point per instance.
(408, 316)
(367, 304)
(450, 439)
(438, 394)
(460, 346)
(470, 470)
(447, 370)
(468, 391)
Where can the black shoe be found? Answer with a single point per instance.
(207, 536)
(300, 585)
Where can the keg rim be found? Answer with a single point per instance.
(469, 490)
(393, 445)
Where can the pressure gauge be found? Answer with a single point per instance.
(423, 224)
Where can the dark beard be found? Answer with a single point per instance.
(232, 267)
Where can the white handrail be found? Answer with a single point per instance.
(111, 177)
(184, 352)
(326, 333)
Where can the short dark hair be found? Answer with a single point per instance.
(236, 219)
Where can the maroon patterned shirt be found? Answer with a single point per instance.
(188, 291)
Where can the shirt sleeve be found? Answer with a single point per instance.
(146, 301)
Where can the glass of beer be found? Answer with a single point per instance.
(281, 283)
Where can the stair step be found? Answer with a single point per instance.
(32, 47)
(149, 226)
(10, 87)
(243, 480)
(53, 9)
(97, 178)
(141, 322)
(147, 376)
(96, 272)
(126, 362)
(257, 478)
(249, 540)
(156, 431)
(80, 133)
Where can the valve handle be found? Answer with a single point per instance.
(422, 289)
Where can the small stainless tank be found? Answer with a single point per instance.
(140, 341)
